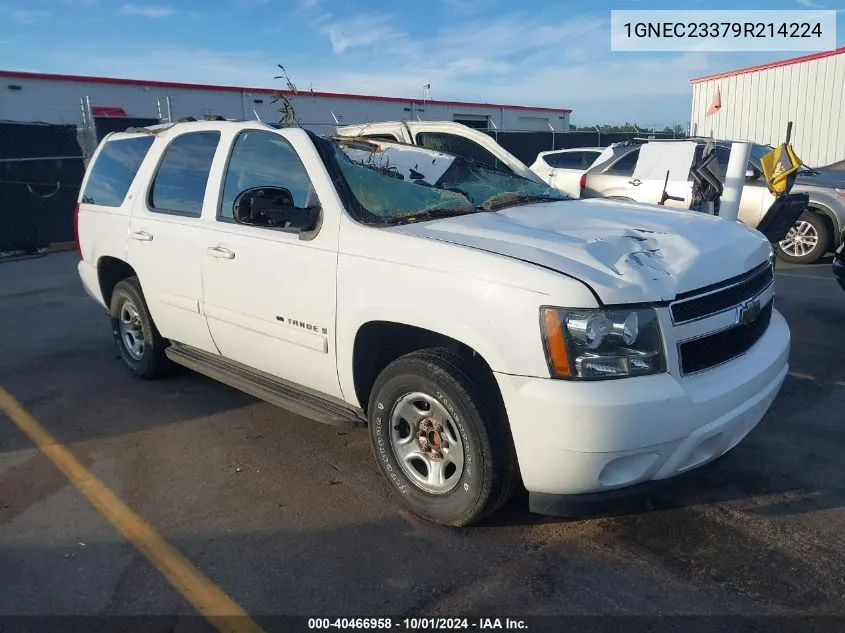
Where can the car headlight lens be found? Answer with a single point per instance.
(594, 344)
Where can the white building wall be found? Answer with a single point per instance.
(58, 101)
(758, 105)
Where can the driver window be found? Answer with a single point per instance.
(264, 159)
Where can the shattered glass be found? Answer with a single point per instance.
(391, 194)
(388, 197)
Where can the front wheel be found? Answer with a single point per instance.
(807, 241)
(439, 440)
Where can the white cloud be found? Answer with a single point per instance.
(361, 30)
(517, 59)
(22, 16)
(309, 4)
(147, 11)
(810, 4)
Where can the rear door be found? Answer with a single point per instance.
(617, 180)
(167, 241)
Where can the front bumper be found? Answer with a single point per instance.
(576, 438)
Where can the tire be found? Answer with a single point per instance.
(451, 405)
(810, 226)
(138, 340)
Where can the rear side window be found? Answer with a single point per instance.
(588, 158)
(114, 170)
(179, 184)
(566, 160)
(625, 165)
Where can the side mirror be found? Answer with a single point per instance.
(273, 207)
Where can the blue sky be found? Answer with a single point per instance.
(530, 52)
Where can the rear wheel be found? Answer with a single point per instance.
(438, 438)
(138, 340)
(807, 241)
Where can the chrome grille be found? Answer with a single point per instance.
(705, 302)
(719, 347)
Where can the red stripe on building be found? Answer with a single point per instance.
(783, 62)
(335, 95)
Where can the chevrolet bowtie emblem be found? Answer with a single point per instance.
(748, 312)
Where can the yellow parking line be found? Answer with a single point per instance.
(830, 278)
(800, 376)
(220, 610)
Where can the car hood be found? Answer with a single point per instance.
(824, 178)
(627, 253)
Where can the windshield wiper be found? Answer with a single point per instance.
(428, 214)
(515, 199)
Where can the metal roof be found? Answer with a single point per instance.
(783, 62)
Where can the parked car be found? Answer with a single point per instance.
(562, 168)
(445, 136)
(817, 231)
(837, 166)
(839, 263)
(486, 328)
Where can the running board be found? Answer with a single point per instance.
(266, 387)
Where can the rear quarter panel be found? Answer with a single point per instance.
(103, 231)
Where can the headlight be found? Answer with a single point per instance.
(593, 344)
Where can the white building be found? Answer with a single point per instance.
(758, 102)
(59, 98)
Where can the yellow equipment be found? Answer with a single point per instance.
(778, 165)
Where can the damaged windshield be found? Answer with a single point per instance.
(395, 183)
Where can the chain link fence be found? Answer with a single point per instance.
(41, 169)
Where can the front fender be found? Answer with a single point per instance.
(500, 323)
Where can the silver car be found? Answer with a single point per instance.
(817, 231)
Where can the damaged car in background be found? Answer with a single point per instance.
(618, 174)
(487, 329)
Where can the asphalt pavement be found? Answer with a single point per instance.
(288, 516)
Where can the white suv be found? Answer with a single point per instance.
(482, 326)
(563, 168)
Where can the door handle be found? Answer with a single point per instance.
(636, 182)
(142, 236)
(220, 253)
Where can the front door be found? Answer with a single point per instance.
(269, 293)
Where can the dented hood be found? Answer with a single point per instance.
(627, 253)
